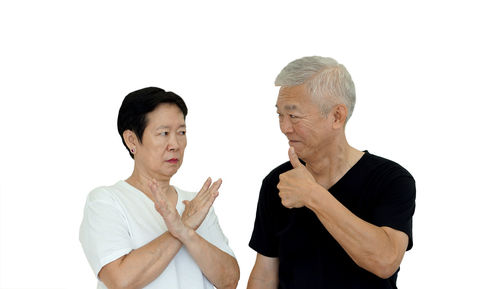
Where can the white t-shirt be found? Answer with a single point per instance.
(120, 218)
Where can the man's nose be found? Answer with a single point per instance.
(286, 125)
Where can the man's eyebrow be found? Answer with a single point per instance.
(289, 107)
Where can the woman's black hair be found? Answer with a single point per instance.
(136, 105)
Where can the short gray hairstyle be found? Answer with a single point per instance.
(328, 81)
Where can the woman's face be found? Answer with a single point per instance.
(163, 142)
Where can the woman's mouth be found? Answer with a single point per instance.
(173, 161)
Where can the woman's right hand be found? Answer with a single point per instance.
(197, 209)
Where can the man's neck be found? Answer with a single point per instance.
(330, 164)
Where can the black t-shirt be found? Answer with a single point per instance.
(375, 189)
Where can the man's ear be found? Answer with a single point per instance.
(131, 140)
(338, 114)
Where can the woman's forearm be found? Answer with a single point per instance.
(141, 266)
(220, 268)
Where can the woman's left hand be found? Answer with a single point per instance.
(170, 215)
(197, 209)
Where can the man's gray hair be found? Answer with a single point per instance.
(328, 82)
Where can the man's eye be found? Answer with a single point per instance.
(182, 133)
(292, 116)
(164, 133)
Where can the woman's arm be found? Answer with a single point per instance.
(141, 266)
(220, 268)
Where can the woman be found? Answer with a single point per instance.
(143, 232)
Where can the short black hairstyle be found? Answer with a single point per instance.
(136, 105)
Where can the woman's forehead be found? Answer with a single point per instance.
(166, 115)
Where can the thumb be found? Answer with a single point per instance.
(186, 202)
(294, 159)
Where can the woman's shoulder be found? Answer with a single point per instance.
(108, 193)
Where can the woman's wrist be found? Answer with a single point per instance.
(186, 235)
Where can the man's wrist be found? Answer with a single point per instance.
(315, 196)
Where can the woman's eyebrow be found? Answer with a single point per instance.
(167, 126)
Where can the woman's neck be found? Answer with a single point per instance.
(141, 180)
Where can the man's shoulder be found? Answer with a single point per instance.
(277, 171)
(383, 165)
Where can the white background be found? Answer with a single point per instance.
(427, 81)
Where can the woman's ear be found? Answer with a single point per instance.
(131, 140)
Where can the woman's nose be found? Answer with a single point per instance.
(172, 144)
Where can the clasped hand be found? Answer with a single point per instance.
(195, 210)
(294, 185)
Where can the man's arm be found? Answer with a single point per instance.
(379, 250)
(264, 274)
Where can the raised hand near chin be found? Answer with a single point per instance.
(197, 209)
(295, 185)
(170, 215)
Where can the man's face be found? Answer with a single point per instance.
(308, 132)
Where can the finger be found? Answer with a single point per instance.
(213, 188)
(205, 190)
(214, 191)
(153, 187)
(161, 204)
(162, 208)
(208, 202)
(209, 199)
(294, 159)
(206, 185)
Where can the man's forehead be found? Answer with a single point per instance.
(291, 98)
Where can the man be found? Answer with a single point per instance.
(333, 216)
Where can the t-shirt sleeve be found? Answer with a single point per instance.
(264, 240)
(396, 206)
(104, 232)
(211, 231)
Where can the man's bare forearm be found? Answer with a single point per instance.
(379, 250)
